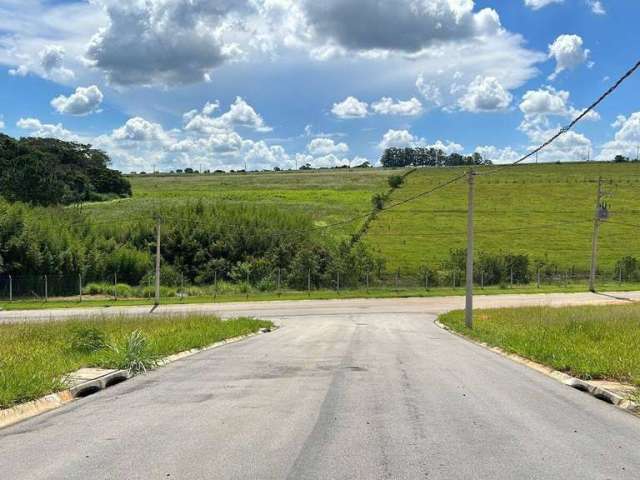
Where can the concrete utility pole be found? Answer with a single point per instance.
(157, 300)
(594, 244)
(468, 315)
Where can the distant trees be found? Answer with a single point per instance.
(427, 157)
(46, 171)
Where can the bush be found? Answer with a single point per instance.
(133, 354)
(395, 181)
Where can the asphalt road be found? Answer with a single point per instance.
(344, 390)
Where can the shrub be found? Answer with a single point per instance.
(395, 181)
(133, 354)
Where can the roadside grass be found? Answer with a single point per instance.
(35, 357)
(589, 342)
(260, 296)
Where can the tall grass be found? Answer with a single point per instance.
(591, 342)
(35, 357)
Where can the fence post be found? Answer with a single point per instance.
(80, 285)
(338, 281)
(482, 280)
(426, 281)
(248, 284)
(398, 279)
(182, 286)
(279, 273)
(115, 286)
(454, 278)
(367, 280)
(538, 278)
(511, 277)
(46, 289)
(215, 284)
(309, 282)
(10, 288)
(620, 274)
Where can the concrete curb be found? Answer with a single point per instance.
(24, 411)
(584, 386)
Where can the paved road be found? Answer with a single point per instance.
(351, 390)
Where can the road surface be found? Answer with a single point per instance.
(344, 390)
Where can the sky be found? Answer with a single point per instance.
(220, 84)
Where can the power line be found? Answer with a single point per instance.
(573, 123)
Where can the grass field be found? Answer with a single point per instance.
(518, 210)
(35, 357)
(588, 342)
(328, 196)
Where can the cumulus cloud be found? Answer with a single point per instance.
(240, 114)
(389, 106)
(36, 128)
(326, 146)
(626, 140)
(485, 94)
(400, 25)
(538, 4)
(163, 41)
(137, 129)
(568, 52)
(397, 138)
(498, 155)
(83, 102)
(350, 107)
(52, 62)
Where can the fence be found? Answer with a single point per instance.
(74, 287)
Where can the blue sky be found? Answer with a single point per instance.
(182, 83)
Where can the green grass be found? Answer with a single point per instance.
(34, 357)
(533, 198)
(590, 342)
(327, 196)
(257, 296)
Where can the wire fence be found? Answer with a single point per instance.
(43, 288)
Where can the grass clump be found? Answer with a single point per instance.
(589, 342)
(35, 357)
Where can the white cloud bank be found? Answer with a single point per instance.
(568, 51)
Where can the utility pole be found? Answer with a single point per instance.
(157, 300)
(468, 316)
(594, 244)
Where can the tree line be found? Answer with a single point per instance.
(395, 157)
(47, 171)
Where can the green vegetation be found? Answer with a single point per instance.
(589, 342)
(35, 357)
(46, 171)
(542, 211)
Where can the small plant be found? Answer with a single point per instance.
(133, 354)
(87, 340)
(377, 201)
(395, 181)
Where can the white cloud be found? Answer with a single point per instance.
(397, 138)
(538, 4)
(447, 147)
(485, 94)
(568, 52)
(350, 107)
(498, 155)
(137, 129)
(326, 146)
(83, 102)
(626, 140)
(388, 106)
(19, 71)
(240, 114)
(429, 90)
(597, 7)
(52, 62)
(539, 105)
(1, 123)
(36, 128)
(165, 42)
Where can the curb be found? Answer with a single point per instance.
(24, 411)
(584, 386)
